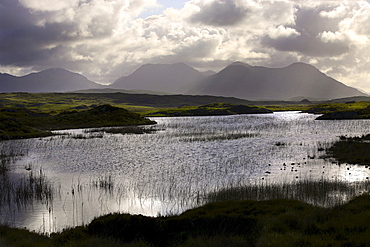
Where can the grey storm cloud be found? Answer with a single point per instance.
(27, 38)
(220, 13)
(310, 25)
(22, 42)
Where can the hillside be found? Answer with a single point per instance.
(50, 80)
(169, 78)
(261, 83)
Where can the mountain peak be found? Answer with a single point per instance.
(169, 78)
(303, 66)
(238, 63)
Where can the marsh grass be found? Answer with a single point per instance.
(82, 136)
(326, 193)
(23, 191)
(105, 182)
(217, 137)
(124, 130)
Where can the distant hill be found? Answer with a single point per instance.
(260, 83)
(351, 99)
(50, 80)
(112, 90)
(169, 78)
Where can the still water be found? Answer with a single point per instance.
(169, 170)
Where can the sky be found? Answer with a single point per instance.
(107, 39)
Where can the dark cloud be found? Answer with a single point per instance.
(306, 45)
(22, 42)
(30, 38)
(311, 26)
(220, 13)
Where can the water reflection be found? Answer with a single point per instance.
(171, 170)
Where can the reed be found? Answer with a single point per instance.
(326, 193)
(105, 182)
(124, 130)
(218, 137)
(24, 191)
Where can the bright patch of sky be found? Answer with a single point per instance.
(162, 5)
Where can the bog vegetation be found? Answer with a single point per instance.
(302, 213)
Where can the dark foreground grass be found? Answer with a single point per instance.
(279, 222)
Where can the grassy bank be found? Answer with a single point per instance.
(277, 222)
(337, 111)
(23, 123)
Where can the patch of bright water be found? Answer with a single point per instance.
(168, 171)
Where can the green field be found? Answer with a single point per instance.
(54, 103)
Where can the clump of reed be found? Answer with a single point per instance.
(24, 191)
(217, 137)
(82, 136)
(124, 130)
(326, 193)
(8, 154)
(105, 182)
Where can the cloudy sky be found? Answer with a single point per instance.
(106, 39)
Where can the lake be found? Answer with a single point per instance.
(174, 167)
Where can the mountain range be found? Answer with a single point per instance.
(260, 83)
(240, 80)
(50, 80)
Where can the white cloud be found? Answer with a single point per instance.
(49, 5)
(332, 37)
(282, 32)
(105, 39)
